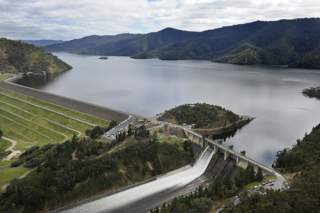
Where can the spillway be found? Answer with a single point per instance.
(145, 196)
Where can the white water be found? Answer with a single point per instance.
(176, 180)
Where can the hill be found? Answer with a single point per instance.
(294, 43)
(200, 115)
(43, 42)
(286, 42)
(18, 57)
(303, 194)
(122, 44)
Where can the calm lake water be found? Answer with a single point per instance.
(146, 87)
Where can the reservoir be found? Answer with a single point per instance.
(146, 87)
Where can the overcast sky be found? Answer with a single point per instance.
(67, 19)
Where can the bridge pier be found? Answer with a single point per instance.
(226, 155)
(241, 160)
(215, 149)
(242, 163)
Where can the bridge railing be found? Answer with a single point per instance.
(231, 151)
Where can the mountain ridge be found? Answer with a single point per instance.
(294, 43)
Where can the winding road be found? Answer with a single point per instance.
(11, 149)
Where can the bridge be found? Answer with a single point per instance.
(241, 159)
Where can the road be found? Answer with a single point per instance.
(11, 149)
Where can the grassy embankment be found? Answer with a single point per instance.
(30, 122)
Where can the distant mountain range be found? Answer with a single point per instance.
(295, 43)
(42, 43)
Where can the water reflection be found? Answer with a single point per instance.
(270, 94)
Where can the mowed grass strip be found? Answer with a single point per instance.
(7, 174)
(81, 116)
(26, 137)
(4, 145)
(50, 134)
(51, 115)
(38, 120)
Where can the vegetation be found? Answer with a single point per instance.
(5, 76)
(82, 167)
(42, 43)
(200, 115)
(4, 145)
(303, 194)
(18, 57)
(30, 122)
(123, 44)
(313, 92)
(293, 43)
(219, 188)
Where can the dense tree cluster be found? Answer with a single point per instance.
(219, 188)
(81, 167)
(98, 131)
(201, 115)
(304, 192)
(141, 132)
(302, 155)
(313, 92)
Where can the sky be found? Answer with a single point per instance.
(67, 19)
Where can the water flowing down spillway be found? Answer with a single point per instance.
(161, 186)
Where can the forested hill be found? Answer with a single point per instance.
(295, 43)
(286, 42)
(304, 192)
(18, 57)
(123, 44)
(42, 42)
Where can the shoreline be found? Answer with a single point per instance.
(244, 120)
(77, 105)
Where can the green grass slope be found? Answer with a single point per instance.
(31, 121)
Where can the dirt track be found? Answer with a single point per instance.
(98, 111)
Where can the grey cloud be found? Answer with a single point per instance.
(60, 19)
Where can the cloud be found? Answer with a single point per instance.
(60, 19)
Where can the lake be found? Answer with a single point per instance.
(146, 87)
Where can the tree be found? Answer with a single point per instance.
(96, 132)
(112, 124)
(130, 131)
(259, 175)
